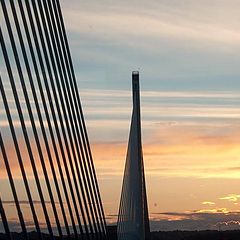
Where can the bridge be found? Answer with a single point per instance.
(45, 119)
(133, 221)
(43, 131)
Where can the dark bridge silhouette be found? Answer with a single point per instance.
(133, 222)
(45, 126)
(38, 80)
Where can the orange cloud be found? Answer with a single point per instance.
(171, 150)
(231, 197)
(215, 210)
(176, 150)
(208, 203)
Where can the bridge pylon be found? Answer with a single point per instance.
(133, 221)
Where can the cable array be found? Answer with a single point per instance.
(46, 126)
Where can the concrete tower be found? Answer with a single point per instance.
(133, 221)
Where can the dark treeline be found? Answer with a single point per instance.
(171, 235)
(185, 235)
(34, 236)
(196, 235)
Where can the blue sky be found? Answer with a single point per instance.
(188, 55)
(175, 45)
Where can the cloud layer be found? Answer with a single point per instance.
(187, 53)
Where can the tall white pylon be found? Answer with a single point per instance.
(133, 221)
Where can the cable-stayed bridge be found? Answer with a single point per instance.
(43, 127)
(133, 221)
(53, 182)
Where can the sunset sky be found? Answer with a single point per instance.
(188, 56)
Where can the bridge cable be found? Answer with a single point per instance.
(10, 121)
(26, 137)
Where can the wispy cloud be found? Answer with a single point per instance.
(93, 93)
(208, 203)
(178, 150)
(231, 197)
(188, 48)
(196, 220)
(119, 23)
(214, 210)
